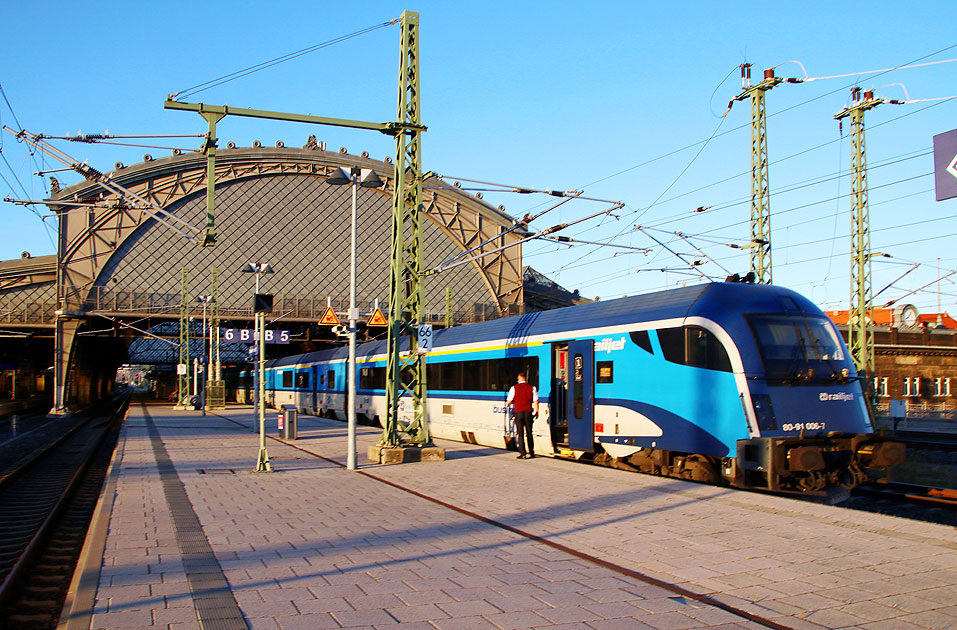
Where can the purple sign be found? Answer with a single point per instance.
(945, 165)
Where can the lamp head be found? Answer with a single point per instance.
(339, 176)
(369, 179)
(256, 268)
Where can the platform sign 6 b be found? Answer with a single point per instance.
(245, 335)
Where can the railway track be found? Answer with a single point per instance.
(904, 500)
(46, 503)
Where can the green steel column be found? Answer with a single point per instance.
(215, 374)
(406, 375)
(760, 191)
(448, 307)
(860, 336)
(184, 379)
(209, 147)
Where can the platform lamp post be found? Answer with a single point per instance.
(258, 269)
(261, 304)
(366, 178)
(207, 349)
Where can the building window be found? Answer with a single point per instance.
(941, 387)
(880, 386)
(912, 386)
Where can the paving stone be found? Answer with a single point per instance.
(672, 621)
(835, 618)
(464, 623)
(310, 547)
(468, 608)
(618, 624)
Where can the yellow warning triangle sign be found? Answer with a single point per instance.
(329, 318)
(377, 319)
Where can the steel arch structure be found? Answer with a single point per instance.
(273, 205)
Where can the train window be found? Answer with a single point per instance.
(434, 375)
(302, 380)
(493, 375)
(502, 374)
(604, 371)
(704, 350)
(792, 346)
(642, 340)
(451, 375)
(445, 376)
(331, 379)
(372, 378)
(672, 342)
(473, 375)
(287, 378)
(694, 346)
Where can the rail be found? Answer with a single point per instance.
(37, 492)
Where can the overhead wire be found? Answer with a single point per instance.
(857, 74)
(669, 187)
(797, 186)
(232, 76)
(47, 228)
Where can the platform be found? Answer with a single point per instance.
(186, 536)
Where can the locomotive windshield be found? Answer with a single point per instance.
(798, 348)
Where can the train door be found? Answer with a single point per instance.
(558, 401)
(581, 394)
(314, 381)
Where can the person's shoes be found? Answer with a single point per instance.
(531, 456)
(520, 457)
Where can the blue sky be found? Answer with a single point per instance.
(615, 98)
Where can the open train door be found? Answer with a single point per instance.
(581, 396)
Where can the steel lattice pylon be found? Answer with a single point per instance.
(860, 336)
(760, 191)
(406, 375)
(760, 183)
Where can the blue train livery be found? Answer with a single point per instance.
(736, 383)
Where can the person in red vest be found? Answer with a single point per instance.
(524, 400)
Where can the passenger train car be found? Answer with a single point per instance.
(744, 384)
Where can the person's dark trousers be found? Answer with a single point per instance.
(523, 428)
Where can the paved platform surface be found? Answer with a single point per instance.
(188, 537)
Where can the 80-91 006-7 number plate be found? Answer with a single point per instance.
(803, 426)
